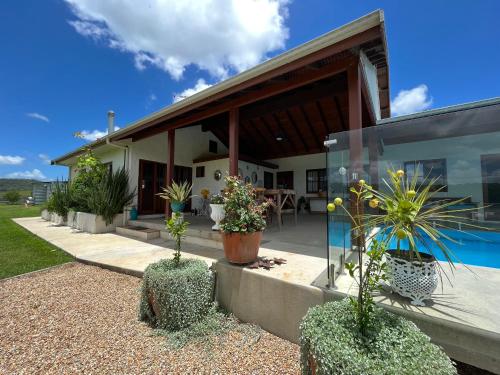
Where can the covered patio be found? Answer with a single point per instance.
(273, 119)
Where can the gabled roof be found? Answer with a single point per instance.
(346, 37)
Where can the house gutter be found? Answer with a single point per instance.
(126, 153)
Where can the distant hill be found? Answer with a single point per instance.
(16, 184)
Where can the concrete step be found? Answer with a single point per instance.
(138, 232)
(195, 240)
(146, 224)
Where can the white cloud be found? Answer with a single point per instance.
(200, 85)
(44, 158)
(92, 135)
(38, 116)
(11, 160)
(35, 174)
(219, 36)
(410, 101)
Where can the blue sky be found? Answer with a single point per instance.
(66, 63)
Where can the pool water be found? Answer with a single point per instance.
(483, 251)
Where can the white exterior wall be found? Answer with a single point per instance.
(299, 165)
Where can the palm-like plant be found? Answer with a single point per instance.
(408, 213)
(177, 192)
(111, 195)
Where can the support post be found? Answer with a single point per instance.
(233, 141)
(170, 166)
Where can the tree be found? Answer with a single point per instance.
(12, 196)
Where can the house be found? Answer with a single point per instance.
(267, 124)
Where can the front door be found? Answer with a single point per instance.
(151, 179)
(490, 168)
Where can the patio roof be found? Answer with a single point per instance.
(314, 71)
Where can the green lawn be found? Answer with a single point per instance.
(20, 250)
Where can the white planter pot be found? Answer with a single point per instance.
(57, 219)
(71, 219)
(91, 223)
(415, 280)
(45, 214)
(217, 214)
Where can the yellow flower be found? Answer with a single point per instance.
(373, 203)
(400, 173)
(401, 234)
(337, 201)
(330, 207)
(362, 182)
(411, 193)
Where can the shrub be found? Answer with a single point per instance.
(90, 172)
(60, 199)
(12, 196)
(242, 212)
(175, 296)
(394, 345)
(110, 195)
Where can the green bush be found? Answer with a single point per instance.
(110, 195)
(90, 172)
(60, 199)
(12, 196)
(330, 335)
(175, 296)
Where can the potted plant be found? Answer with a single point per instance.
(355, 336)
(243, 223)
(409, 218)
(217, 210)
(177, 194)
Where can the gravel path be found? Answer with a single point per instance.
(82, 319)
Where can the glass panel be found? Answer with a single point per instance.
(459, 149)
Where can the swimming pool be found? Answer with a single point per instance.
(483, 251)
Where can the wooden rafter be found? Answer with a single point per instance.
(310, 126)
(322, 116)
(296, 128)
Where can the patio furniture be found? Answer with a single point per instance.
(204, 209)
(280, 198)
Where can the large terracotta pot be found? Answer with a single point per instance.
(241, 248)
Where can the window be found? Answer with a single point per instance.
(200, 171)
(428, 169)
(109, 167)
(315, 180)
(212, 146)
(268, 180)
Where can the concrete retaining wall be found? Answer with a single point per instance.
(278, 307)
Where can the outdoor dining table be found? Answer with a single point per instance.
(280, 198)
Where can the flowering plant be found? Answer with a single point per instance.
(243, 212)
(217, 199)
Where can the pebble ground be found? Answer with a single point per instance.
(77, 319)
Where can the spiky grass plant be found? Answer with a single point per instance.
(61, 198)
(111, 195)
(410, 211)
(177, 192)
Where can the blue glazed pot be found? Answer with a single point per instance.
(133, 213)
(177, 206)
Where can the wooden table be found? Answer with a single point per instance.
(280, 197)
